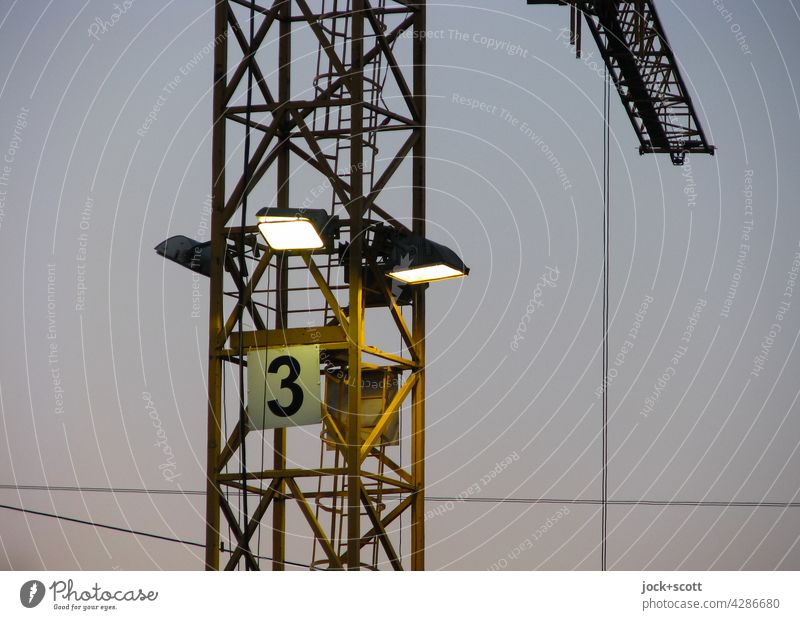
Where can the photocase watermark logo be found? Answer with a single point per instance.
(67, 597)
(548, 279)
(101, 26)
(31, 593)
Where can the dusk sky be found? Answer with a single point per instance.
(102, 380)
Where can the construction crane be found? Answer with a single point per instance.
(304, 254)
(642, 65)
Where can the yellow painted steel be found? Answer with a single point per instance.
(365, 476)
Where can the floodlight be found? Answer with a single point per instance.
(428, 273)
(194, 255)
(296, 229)
(416, 260)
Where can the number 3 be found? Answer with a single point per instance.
(288, 382)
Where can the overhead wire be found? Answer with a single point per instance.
(125, 530)
(191, 543)
(439, 498)
(617, 502)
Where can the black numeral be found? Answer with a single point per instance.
(288, 382)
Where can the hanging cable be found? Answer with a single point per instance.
(261, 441)
(606, 262)
(227, 491)
(243, 273)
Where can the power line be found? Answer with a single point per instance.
(43, 487)
(101, 525)
(615, 502)
(443, 498)
(124, 530)
(497, 500)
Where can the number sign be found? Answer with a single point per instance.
(283, 387)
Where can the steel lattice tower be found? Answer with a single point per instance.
(320, 74)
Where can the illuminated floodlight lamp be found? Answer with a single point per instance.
(194, 255)
(417, 260)
(296, 229)
(428, 273)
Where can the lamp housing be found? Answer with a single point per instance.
(194, 255)
(413, 259)
(287, 230)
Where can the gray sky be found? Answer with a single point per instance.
(90, 186)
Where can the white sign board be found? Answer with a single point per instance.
(283, 387)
